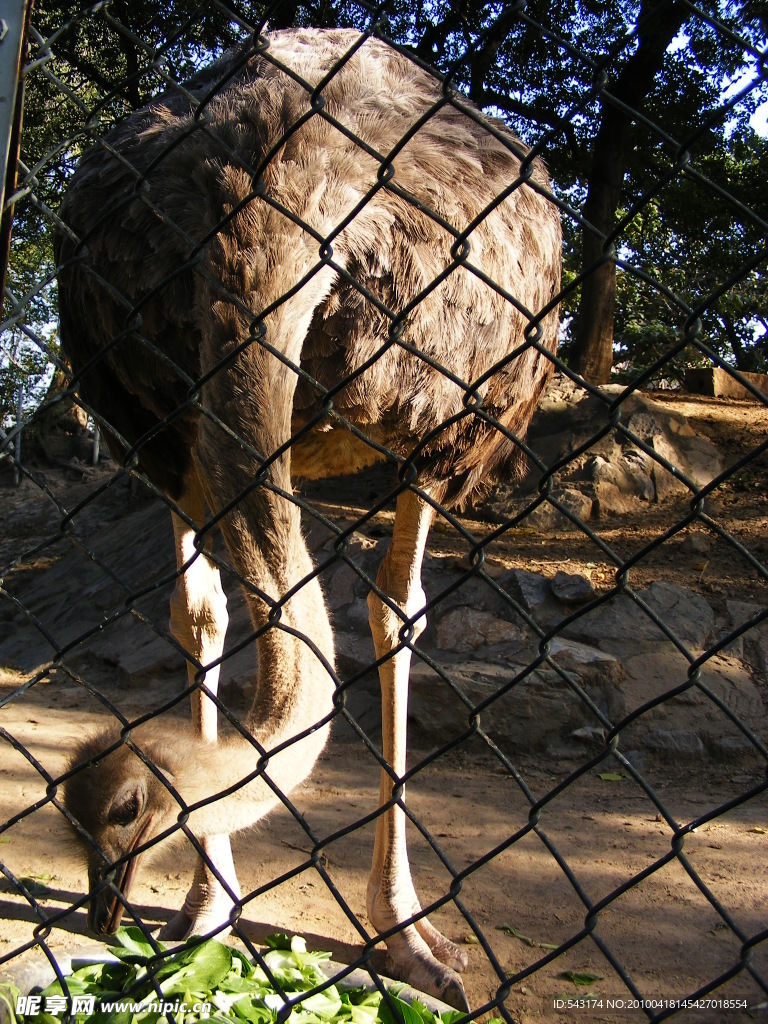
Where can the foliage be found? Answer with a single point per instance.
(92, 67)
(554, 71)
(234, 989)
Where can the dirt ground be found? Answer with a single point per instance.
(681, 926)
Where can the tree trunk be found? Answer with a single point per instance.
(594, 340)
(593, 350)
(744, 357)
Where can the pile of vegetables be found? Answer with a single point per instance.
(211, 973)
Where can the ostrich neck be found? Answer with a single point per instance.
(294, 688)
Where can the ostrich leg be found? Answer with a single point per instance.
(419, 953)
(199, 622)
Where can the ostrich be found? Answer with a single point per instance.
(256, 280)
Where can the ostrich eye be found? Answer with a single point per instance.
(127, 806)
(125, 813)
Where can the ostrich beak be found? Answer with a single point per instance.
(105, 910)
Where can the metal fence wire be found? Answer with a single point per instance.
(315, 250)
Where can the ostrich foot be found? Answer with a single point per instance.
(443, 949)
(184, 924)
(207, 906)
(410, 959)
(419, 954)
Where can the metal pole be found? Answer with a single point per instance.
(17, 440)
(13, 28)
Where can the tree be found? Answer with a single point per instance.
(576, 80)
(580, 79)
(695, 245)
(93, 69)
(593, 348)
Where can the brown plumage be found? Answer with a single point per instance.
(310, 283)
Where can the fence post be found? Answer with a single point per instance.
(17, 439)
(14, 25)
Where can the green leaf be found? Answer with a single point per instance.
(8, 996)
(611, 777)
(580, 977)
(406, 1013)
(129, 944)
(524, 938)
(105, 977)
(278, 940)
(111, 1017)
(75, 985)
(34, 887)
(198, 970)
(325, 1004)
(245, 1010)
(239, 990)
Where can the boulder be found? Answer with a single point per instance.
(687, 614)
(617, 472)
(534, 714)
(713, 380)
(465, 629)
(572, 589)
(548, 516)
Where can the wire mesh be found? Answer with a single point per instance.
(602, 733)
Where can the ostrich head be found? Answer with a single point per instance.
(122, 805)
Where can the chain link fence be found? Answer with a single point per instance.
(586, 773)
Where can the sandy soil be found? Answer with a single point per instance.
(664, 933)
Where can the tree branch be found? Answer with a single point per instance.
(537, 111)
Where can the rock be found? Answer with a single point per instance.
(629, 470)
(620, 660)
(341, 584)
(614, 470)
(535, 714)
(720, 383)
(589, 734)
(567, 652)
(753, 641)
(731, 683)
(541, 712)
(596, 671)
(550, 517)
(473, 591)
(55, 597)
(669, 433)
(577, 503)
(357, 614)
(686, 613)
(570, 588)
(613, 622)
(465, 629)
(675, 744)
(665, 484)
(652, 674)
(532, 590)
(696, 544)
(683, 611)
(637, 758)
(140, 655)
(610, 500)
(726, 748)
